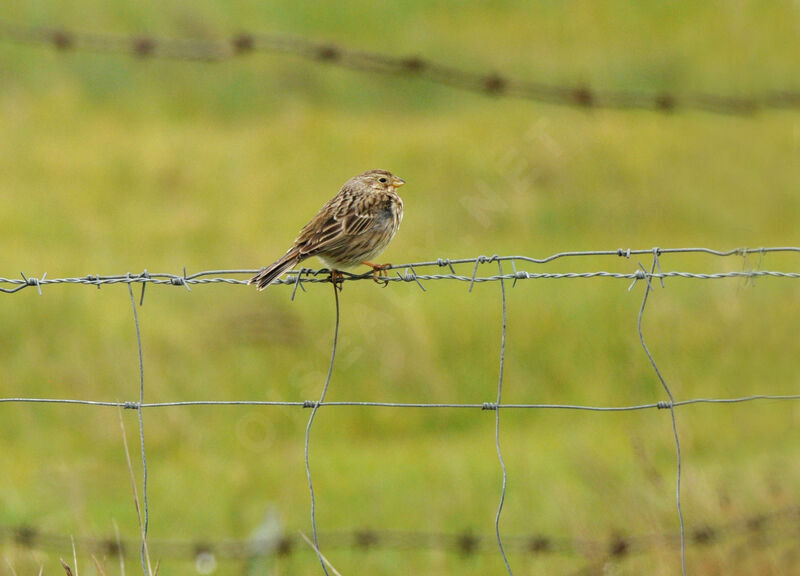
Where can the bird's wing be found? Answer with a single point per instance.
(345, 215)
(360, 215)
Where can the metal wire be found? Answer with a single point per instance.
(484, 406)
(647, 288)
(490, 83)
(497, 422)
(146, 519)
(308, 430)
(310, 276)
(465, 542)
(410, 274)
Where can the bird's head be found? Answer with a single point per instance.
(378, 180)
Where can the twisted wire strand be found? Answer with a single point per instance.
(410, 271)
(487, 82)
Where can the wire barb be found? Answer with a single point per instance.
(411, 277)
(478, 261)
(33, 281)
(446, 262)
(145, 276)
(297, 281)
(657, 264)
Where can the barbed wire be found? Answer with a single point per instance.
(300, 277)
(311, 276)
(464, 542)
(219, 50)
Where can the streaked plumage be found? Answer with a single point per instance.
(354, 226)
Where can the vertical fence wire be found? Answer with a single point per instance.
(314, 409)
(497, 422)
(146, 519)
(647, 288)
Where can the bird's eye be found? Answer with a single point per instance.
(382, 180)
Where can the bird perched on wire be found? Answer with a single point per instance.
(354, 227)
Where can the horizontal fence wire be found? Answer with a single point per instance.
(663, 405)
(410, 271)
(464, 542)
(751, 260)
(219, 50)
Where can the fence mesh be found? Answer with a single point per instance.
(418, 274)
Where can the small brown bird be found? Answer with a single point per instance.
(354, 226)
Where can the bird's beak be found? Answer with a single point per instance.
(397, 182)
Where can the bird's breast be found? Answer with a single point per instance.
(393, 208)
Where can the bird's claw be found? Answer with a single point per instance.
(379, 273)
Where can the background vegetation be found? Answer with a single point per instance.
(110, 164)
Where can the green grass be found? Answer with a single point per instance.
(109, 165)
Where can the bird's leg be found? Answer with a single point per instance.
(379, 272)
(337, 278)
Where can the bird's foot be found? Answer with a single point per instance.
(379, 272)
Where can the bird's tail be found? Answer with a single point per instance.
(266, 276)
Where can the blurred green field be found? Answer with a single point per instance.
(110, 165)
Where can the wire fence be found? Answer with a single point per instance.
(413, 273)
(492, 83)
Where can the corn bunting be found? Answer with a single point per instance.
(354, 226)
